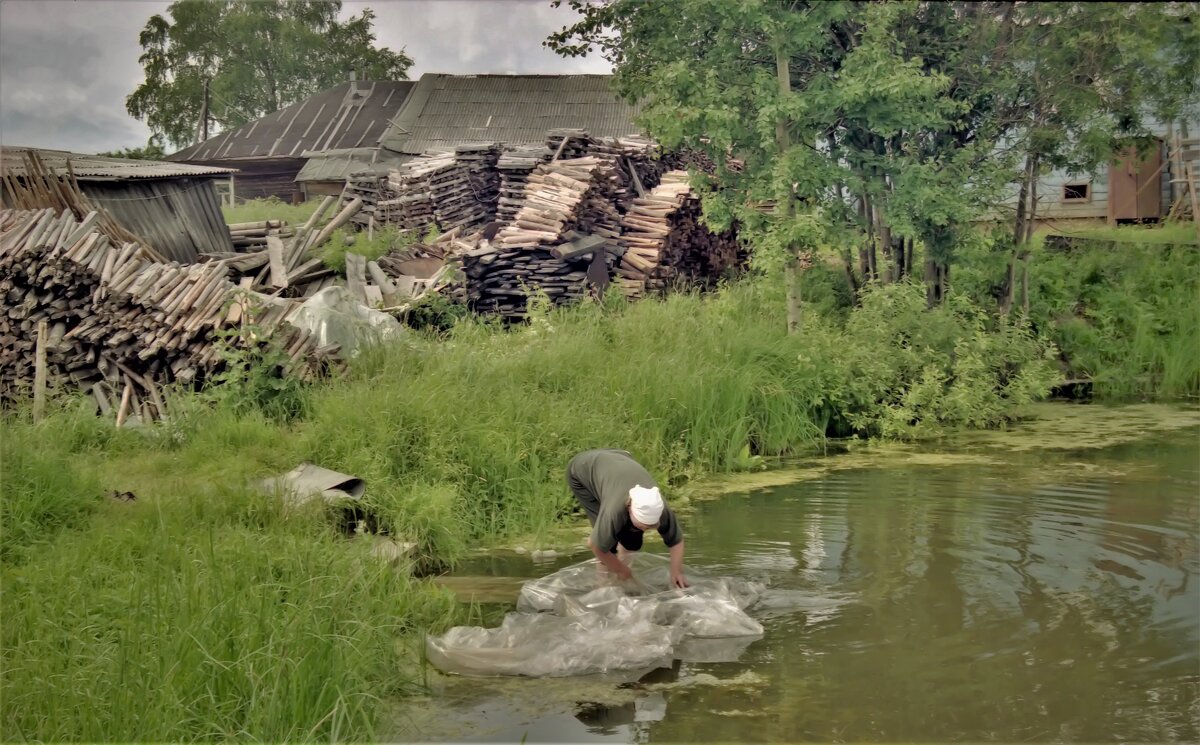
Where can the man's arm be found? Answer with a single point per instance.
(677, 578)
(611, 562)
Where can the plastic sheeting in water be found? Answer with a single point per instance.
(578, 622)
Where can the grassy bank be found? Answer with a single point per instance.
(202, 610)
(1121, 304)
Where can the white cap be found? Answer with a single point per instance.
(646, 505)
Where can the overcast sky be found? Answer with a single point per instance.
(66, 66)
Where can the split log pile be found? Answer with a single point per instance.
(406, 200)
(119, 324)
(567, 144)
(480, 161)
(252, 236)
(563, 201)
(687, 158)
(514, 167)
(666, 244)
(369, 187)
(637, 165)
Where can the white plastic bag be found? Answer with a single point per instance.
(335, 316)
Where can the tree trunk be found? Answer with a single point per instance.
(908, 259)
(937, 278)
(848, 263)
(1031, 222)
(867, 252)
(1022, 230)
(1022, 197)
(783, 142)
(1025, 286)
(885, 243)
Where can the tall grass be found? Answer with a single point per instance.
(1126, 315)
(202, 610)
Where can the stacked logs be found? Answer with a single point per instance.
(563, 201)
(370, 188)
(665, 243)
(514, 167)
(555, 194)
(567, 144)
(480, 161)
(118, 323)
(252, 236)
(409, 195)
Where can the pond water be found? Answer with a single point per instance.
(1030, 595)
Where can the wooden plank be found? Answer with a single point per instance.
(356, 276)
(279, 276)
(39, 373)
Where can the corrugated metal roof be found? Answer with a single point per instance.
(98, 168)
(349, 115)
(447, 110)
(337, 165)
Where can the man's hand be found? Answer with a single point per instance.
(622, 571)
(677, 578)
(610, 562)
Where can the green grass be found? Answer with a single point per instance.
(1126, 316)
(342, 242)
(201, 611)
(255, 210)
(1177, 233)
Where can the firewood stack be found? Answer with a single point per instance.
(252, 236)
(409, 202)
(576, 146)
(665, 243)
(480, 161)
(371, 188)
(636, 162)
(563, 199)
(514, 167)
(121, 325)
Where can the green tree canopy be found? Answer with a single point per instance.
(254, 57)
(880, 123)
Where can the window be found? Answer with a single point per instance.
(1077, 192)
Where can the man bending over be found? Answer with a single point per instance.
(622, 502)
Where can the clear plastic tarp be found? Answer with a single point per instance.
(579, 621)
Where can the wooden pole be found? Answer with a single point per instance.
(39, 374)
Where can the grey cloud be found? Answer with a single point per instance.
(475, 36)
(65, 70)
(66, 67)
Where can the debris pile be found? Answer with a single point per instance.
(113, 321)
(252, 236)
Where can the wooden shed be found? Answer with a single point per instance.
(171, 206)
(270, 152)
(1135, 187)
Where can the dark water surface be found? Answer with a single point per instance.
(1026, 597)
